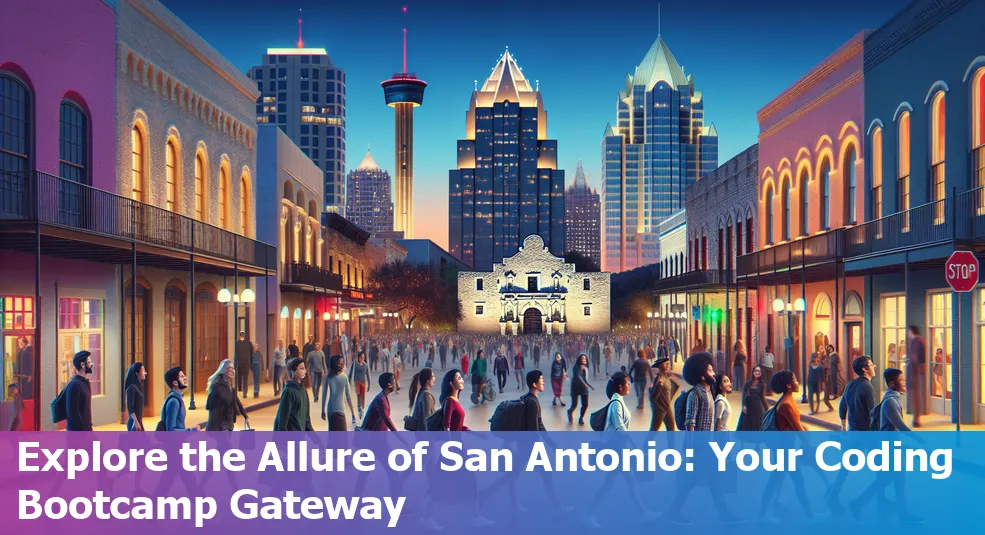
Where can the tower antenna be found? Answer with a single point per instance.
(300, 41)
(405, 39)
(658, 20)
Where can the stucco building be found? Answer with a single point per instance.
(534, 292)
(809, 190)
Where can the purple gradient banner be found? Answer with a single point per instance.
(255, 482)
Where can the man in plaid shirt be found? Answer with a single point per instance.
(699, 372)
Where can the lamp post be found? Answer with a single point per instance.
(649, 319)
(797, 308)
(229, 299)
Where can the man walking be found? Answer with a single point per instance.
(596, 357)
(244, 358)
(293, 413)
(280, 366)
(916, 374)
(768, 362)
(890, 419)
(173, 410)
(501, 367)
(308, 348)
(663, 390)
(854, 410)
(78, 396)
(641, 373)
(316, 367)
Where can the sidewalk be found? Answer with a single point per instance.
(200, 415)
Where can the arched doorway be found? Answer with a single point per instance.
(210, 334)
(174, 327)
(532, 321)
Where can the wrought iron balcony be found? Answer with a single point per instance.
(811, 251)
(958, 217)
(695, 279)
(308, 275)
(34, 196)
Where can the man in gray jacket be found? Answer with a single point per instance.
(316, 367)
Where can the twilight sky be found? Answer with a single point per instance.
(742, 54)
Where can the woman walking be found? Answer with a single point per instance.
(559, 372)
(422, 402)
(333, 388)
(458, 488)
(398, 366)
(579, 389)
(753, 402)
(723, 408)
(223, 402)
(133, 384)
(814, 373)
(739, 365)
(360, 377)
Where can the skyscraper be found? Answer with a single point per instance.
(659, 145)
(582, 209)
(404, 92)
(304, 95)
(507, 185)
(367, 199)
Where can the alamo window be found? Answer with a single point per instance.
(478, 310)
(478, 285)
(588, 310)
(588, 286)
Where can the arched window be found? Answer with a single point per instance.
(903, 164)
(849, 178)
(223, 195)
(937, 146)
(171, 185)
(786, 209)
(200, 186)
(978, 136)
(244, 205)
(877, 173)
(825, 189)
(769, 215)
(74, 143)
(15, 142)
(805, 203)
(137, 164)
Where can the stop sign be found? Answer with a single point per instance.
(961, 271)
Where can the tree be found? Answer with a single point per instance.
(415, 292)
(583, 264)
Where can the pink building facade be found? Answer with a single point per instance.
(810, 188)
(58, 92)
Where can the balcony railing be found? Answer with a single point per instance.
(306, 274)
(813, 250)
(37, 196)
(696, 278)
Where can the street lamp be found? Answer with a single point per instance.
(798, 307)
(227, 298)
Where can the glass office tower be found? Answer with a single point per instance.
(659, 145)
(507, 185)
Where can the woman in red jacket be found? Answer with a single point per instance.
(453, 412)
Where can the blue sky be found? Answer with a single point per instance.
(742, 54)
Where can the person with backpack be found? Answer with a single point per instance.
(784, 416)
(723, 408)
(293, 412)
(422, 402)
(378, 412)
(663, 390)
(78, 395)
(695, 410)
(173, 409)
(617, 418)
(888, 416)
(859, 397)
(579, 389)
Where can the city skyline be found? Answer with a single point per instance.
(743, 56)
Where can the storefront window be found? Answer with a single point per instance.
(80, 327)
(940, 345)
(894, 331)
(980, 320)
(17, 321)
